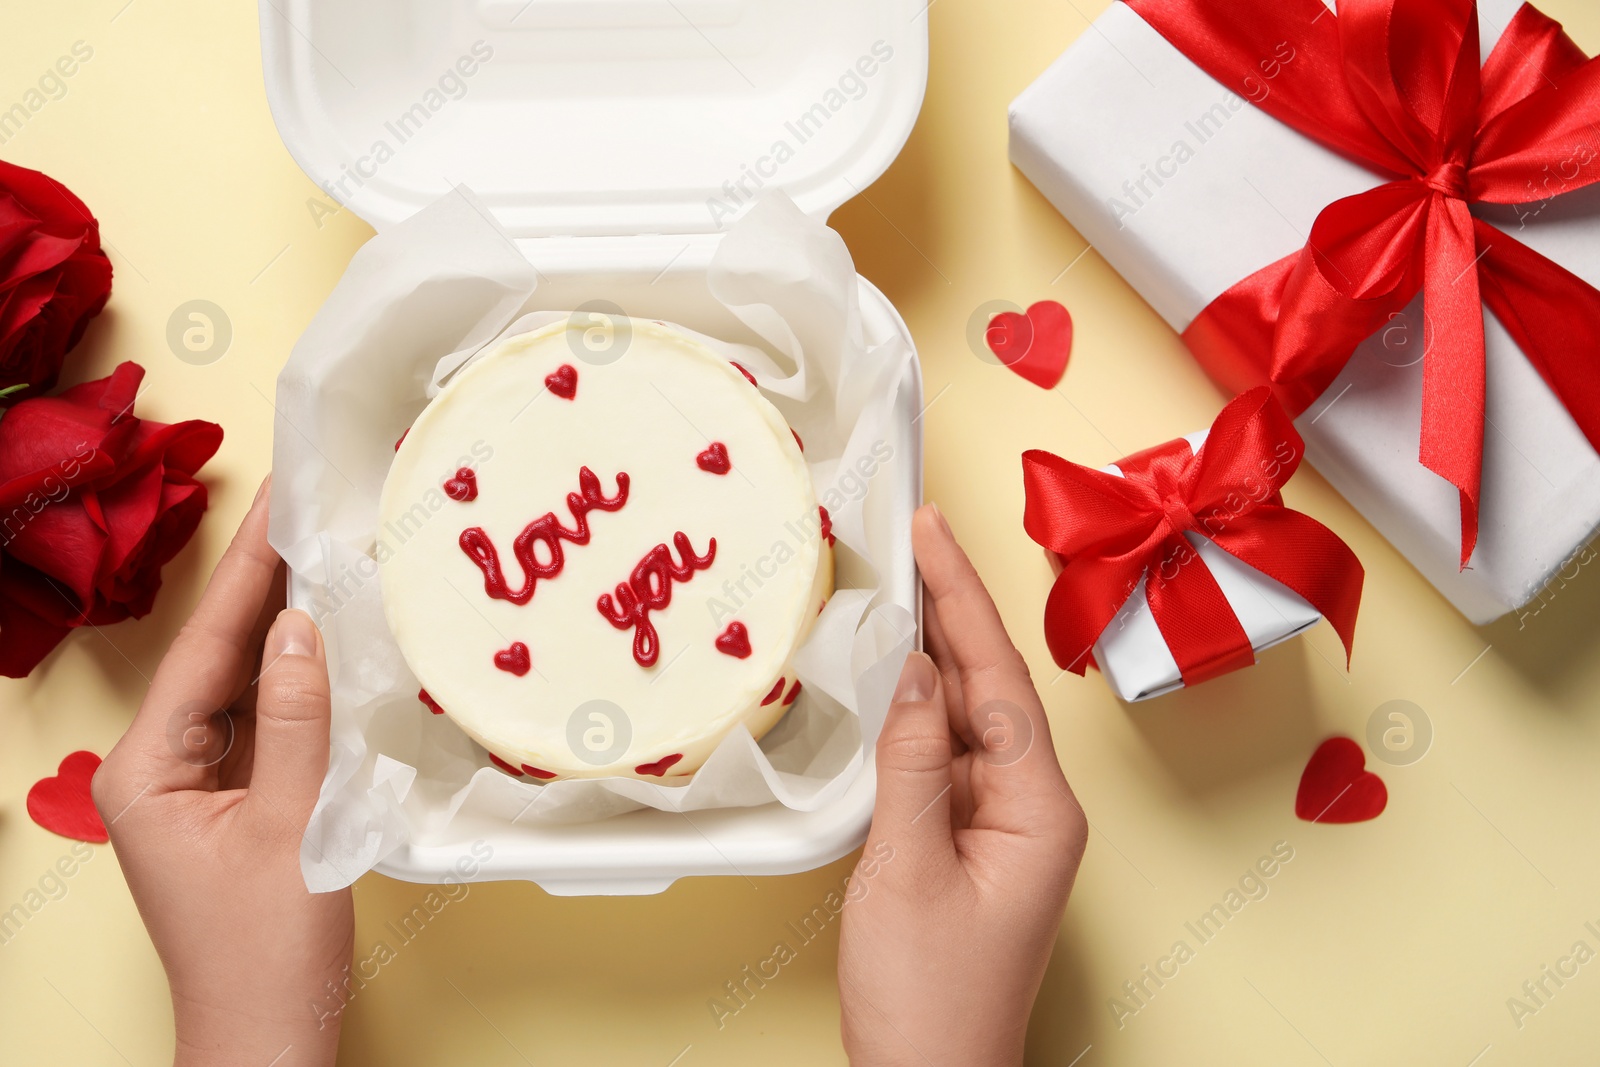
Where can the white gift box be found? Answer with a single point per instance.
(1133, 655)
(611, 147)
(1186, 188)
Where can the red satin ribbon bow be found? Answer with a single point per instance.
(1111, 531)
(1397, 86)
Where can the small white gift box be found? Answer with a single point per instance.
(1133, 655)
(1186, 188)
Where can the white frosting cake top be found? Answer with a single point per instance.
(600, 568)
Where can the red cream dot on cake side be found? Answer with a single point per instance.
(794, 691)
(714, 460)
(431, 704)
(535, 772)
(827, 525)
(797, 440)
(751, 378)
(463, 487)
(777, 691)
(660, 766)
(504, 766)
(402, 439)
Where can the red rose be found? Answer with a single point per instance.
(92, 502)
(53, 276)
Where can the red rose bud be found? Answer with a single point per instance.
(93, 501)
(54, 277)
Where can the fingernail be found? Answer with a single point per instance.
(917, 680)
(266, 483)
(293, 634)
(944, 523)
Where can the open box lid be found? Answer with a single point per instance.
(594, 117)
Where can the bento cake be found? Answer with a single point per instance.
(601, 564)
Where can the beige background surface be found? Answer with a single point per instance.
(1394, 942)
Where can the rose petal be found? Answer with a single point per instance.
(59, 211)
(60, 540)
(27, 634)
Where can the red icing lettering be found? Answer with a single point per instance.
(547, 531)
(514, 660)
(464, 486)
(777, 691)
(649, 588)
(734, 641)
(432, 705)
(794, 691)
(714, 460)
(660, 766)
(564, 382)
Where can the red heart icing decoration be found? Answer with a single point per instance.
(1035, 345)
(564, 382)
(1337, 787)
(777, 691)
(514, 659)
(714, 460)
(734, 641)
(63, 805)
(794, 691)
(464, 486)
(659, 767)
(428, 702)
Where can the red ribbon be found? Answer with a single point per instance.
(1397, 86)
(1111, 531)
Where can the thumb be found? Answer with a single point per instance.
(292, 717)
(914, 753)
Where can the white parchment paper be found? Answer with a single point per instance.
(418, 302)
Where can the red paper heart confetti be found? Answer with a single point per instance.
(564, 382)
(463, 487)
(62, 804)
(1337, 787)
(714, 460)
(734, 641)
(1036, 345)
(514, 660)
